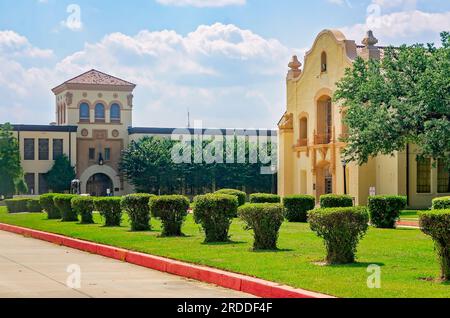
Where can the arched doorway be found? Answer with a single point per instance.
(99, 184)
(324, 180)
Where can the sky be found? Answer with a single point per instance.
(223, 60)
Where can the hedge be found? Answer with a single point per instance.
(335, 201)
(265, 220)
(17, 205)
(385, 210)
(241, 196)
(136, 205)
(48, 205)
(264, 198)
(296, 207)
(34, 206)
(110, 209)
(214, 212)
(83, 206)
(172, 210)
(436, 223)
(341, 229)
(441, 203)
(64, 205)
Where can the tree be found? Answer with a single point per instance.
(60, 176)
(147, 164)
(402, 99)
(11, 172)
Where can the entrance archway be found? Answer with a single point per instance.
(98, 185)
(324, 180)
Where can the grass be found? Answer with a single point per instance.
(410, 215)
(406, 256)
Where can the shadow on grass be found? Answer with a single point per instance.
(278, 250)
(357, 265)
(230, 242)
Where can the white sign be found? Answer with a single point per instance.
(372, 191)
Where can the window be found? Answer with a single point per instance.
(29, 180)
(424, 175)
(43, 149)
(115, 113)
(91, 153)
(443, 178)
(99, 112)
(43, 187)
(57, 148)
(323, 62)
(28, 149)
(84, 112)
(107, 154)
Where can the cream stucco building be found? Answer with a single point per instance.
(309, 132)
(94, 116)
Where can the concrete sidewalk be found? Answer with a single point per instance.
(32, 268)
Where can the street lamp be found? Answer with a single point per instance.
(344, 165)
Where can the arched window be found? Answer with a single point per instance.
(323, 62)
(84, 112)
(115, 113)
(303, 135)
(99, 112)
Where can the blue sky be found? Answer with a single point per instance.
(225, 60)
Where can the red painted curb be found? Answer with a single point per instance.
(246, 284)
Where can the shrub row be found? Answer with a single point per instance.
(436, 223)
(341, 228)
(385, 210)
(441, 203)
(23, 205)
(48, 205)
(264, 198)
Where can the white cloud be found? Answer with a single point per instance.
(398, 27)
(202, 3)
(13, 44)
(226, 76)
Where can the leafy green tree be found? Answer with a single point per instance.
(10, 167)
(60, 176)
(147, 164)
(404, 98)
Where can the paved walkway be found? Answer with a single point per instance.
(33, 268)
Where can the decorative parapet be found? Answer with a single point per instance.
(294, 68)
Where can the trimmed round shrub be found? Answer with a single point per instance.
(48, 205)
(34, 206)
(296, 207)
(215, 212)
(172, 210)
(385, 210)
(335, 201)
(264, 198)
(265, 220)
(341, 230)
(241, 196)
(110, 209)
(17, 205)
(442, 203)
(436, 223)
(64, 205)
(83, 206)
(138, 210)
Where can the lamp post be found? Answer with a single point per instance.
(344, 165)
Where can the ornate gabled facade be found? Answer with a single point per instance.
(310, 159)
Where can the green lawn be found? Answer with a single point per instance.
(410, 215)
(406, 256)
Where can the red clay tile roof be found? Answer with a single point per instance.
(94, 77)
